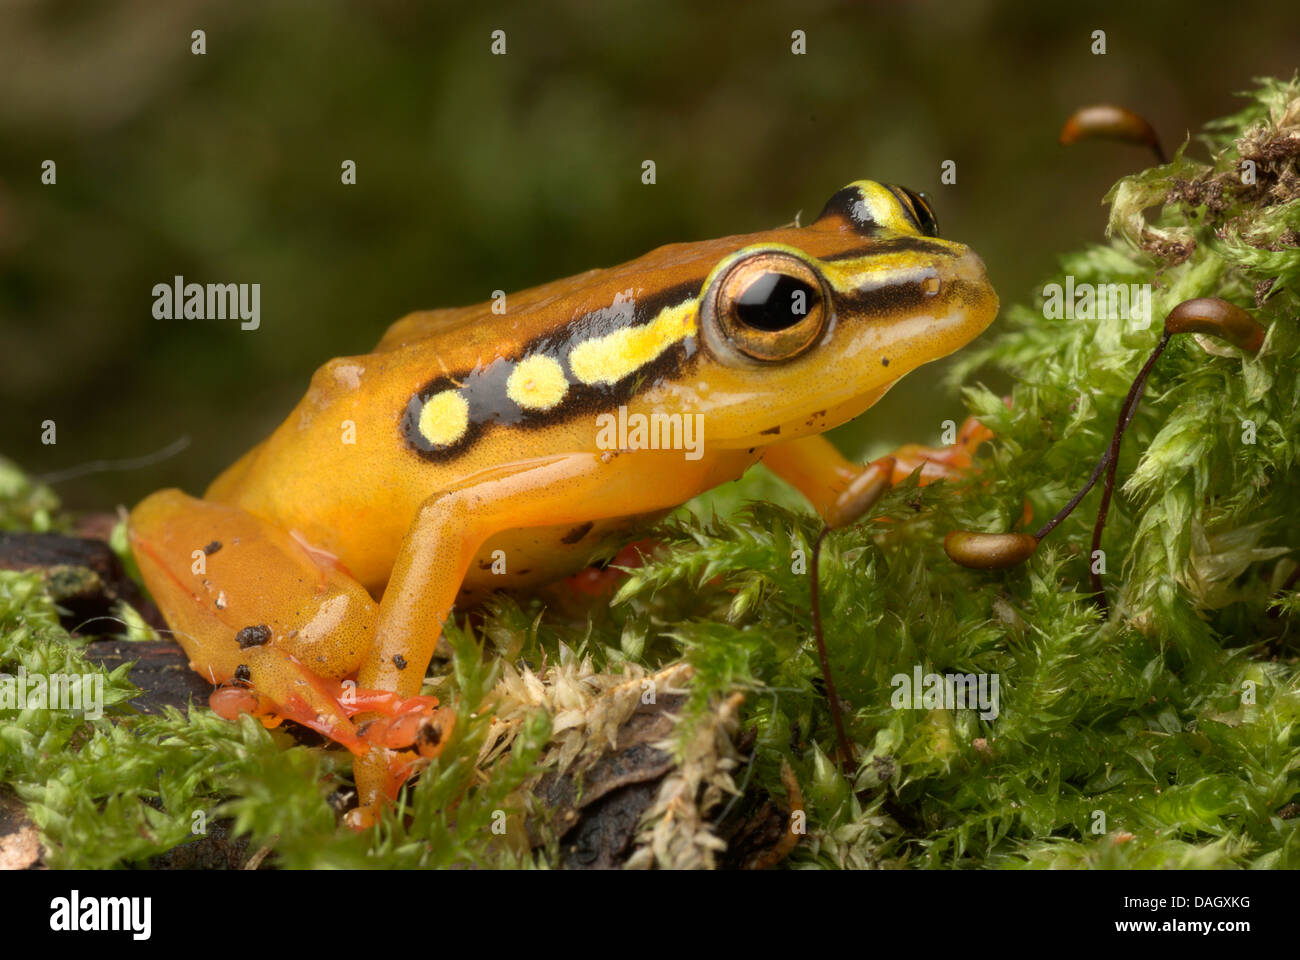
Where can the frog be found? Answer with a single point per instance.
(471, 451)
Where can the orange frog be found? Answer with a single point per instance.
(472, 451)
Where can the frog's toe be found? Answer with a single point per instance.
(274, 686)
(231, 701)
(380, 775)
(942, 463)
(385, 702)
(390, 721)
(419, 727)
(400, 746)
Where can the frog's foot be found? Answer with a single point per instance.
(934, 463)
(601, 581)
(401, 746)
(274, 686)
(953, 462)
(389, 722)
(327, 706)
(257, 609)
(941, 463)
(843, 491)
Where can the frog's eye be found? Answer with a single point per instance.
(771, 306)
(918, 210)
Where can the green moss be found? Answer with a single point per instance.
(26, 504)
(1169, 727)
(1161, 736)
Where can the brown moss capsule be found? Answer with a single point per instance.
(866, 488)
(989, 551)
(1219, 318)
(1113, 123)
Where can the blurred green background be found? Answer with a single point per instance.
(478, 172)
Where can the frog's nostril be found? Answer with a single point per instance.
(930, 286)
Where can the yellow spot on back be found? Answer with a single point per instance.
(612, 357)
(537, 383)
(445, 418)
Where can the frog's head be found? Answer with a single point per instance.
(806, 332)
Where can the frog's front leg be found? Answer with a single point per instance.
(451, 526)
(274, 623)
(952, 462)
(832, 483)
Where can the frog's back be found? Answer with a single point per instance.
(448, 394)
(472, 351)
(676, 270)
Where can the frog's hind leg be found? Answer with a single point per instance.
(453, 524)
(257, 609)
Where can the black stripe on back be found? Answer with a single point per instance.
(484, 387)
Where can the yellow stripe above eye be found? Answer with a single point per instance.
(846, 276)
(883, 207)
(444, 418)
(608, 359)
(537, 383)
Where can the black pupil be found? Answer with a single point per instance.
(775, 301)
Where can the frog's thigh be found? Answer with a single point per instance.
(451, 527)
(814, 467)
(217, 570)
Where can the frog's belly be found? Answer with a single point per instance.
(527, 558)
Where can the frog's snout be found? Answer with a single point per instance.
(965, 267)
(963, 283)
